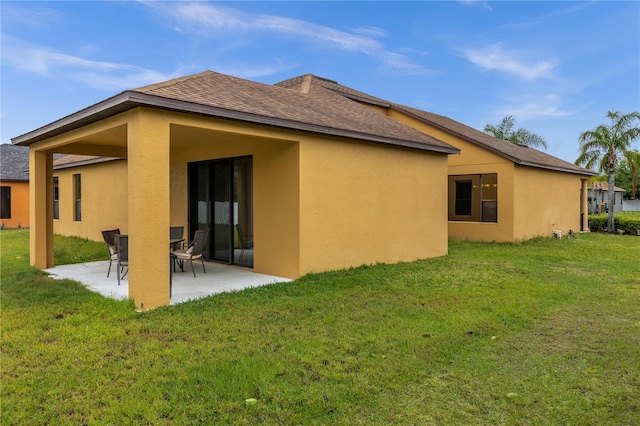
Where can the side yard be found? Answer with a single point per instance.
(536, 333)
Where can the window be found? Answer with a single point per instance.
(56, 194)
(473, 198)
(463, 197)
(5, 202)
(77, 190)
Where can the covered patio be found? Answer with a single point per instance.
(217, 279)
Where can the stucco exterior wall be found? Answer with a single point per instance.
(19, 205)
(474, 160)
(545, 201)
(366, 203)
(104, 199)
(275, 183)
(319, 203)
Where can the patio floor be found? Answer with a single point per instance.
(218, 279)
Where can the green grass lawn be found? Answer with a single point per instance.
(545, 332)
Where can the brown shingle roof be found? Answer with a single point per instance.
(519, 154)
(603, 186)
(293, 107)
(212, 94)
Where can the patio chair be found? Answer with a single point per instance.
(246, 241)
(176, 233)
(122, 244)
(194, 251)
(110, 241)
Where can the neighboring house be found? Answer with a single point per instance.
(320, 181)
(598, 195)
(14, 186)
(497, 190)
(89, 195)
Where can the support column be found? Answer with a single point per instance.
(584, 207)
(148, 208)
(40, 208)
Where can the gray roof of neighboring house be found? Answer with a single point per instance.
(209, 93)
(14, 163)
(519, 154)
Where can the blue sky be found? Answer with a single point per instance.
(557, 67)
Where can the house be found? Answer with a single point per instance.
(322, 182)
(598, 197)
(89, 195)
(497, 190)
(14, 186)
(322, 176)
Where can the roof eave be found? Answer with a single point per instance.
(584, 172)
(131, 99)
(516, 160)
(107, 108)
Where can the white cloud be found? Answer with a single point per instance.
(513, 62)
(210, 20)
(254, 71)
(476, 3)
(370, 31)
(549, 105)
(30, 17)
(97, 74)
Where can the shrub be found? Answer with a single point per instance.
(624, 222)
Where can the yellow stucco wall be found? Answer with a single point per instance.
(275, 183)
(104, 199)
(19, 205)
(319, 202)
(546, 201)
(366, 203)
(475, 160)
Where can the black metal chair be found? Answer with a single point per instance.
(194, 251)
(122, 244)
(110, 241)
(246, 241)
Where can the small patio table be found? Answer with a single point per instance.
(172, 242)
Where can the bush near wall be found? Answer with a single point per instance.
(624, 222)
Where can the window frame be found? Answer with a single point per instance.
(77, 197)
(481, 206)
(5, 205)
(56, 197)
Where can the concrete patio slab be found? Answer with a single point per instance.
(217, 279)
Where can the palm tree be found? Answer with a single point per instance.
(633, 159)
(604, 145)
(504, 130)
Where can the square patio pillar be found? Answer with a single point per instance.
(148, 208)
(584, 206)
(41, 208)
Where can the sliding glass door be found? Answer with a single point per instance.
(221, 200)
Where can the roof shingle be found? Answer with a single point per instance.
(14, 163)
(519, 154)
(318, 106)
